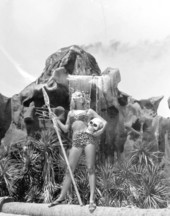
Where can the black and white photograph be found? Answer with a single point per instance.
(84, 107)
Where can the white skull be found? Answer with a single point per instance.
(94, 125)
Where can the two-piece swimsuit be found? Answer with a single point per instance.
(81, 138)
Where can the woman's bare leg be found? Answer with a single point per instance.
(74, 156)
(90, 151)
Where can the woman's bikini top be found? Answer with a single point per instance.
(79, 117)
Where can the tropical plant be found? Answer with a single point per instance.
(29, 171)
(32, 170)
(149, 182)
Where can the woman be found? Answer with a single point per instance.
(77, 121)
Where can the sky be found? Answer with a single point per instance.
(133, 36)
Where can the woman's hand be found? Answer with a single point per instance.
(53, 116)
(97, 133)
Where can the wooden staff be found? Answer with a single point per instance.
(53, 116)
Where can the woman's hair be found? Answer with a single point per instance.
(86, 103)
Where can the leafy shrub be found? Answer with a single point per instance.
(32, 170)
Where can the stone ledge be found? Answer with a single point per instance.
(35, 209)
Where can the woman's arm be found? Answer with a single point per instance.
(93, 114)
(64, 127)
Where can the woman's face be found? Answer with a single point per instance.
(78, 98)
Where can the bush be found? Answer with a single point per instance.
(32, 170)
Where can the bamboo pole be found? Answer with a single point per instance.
(53, 116)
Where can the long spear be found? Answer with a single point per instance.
(53, 116)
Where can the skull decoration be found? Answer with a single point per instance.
(94, 125)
